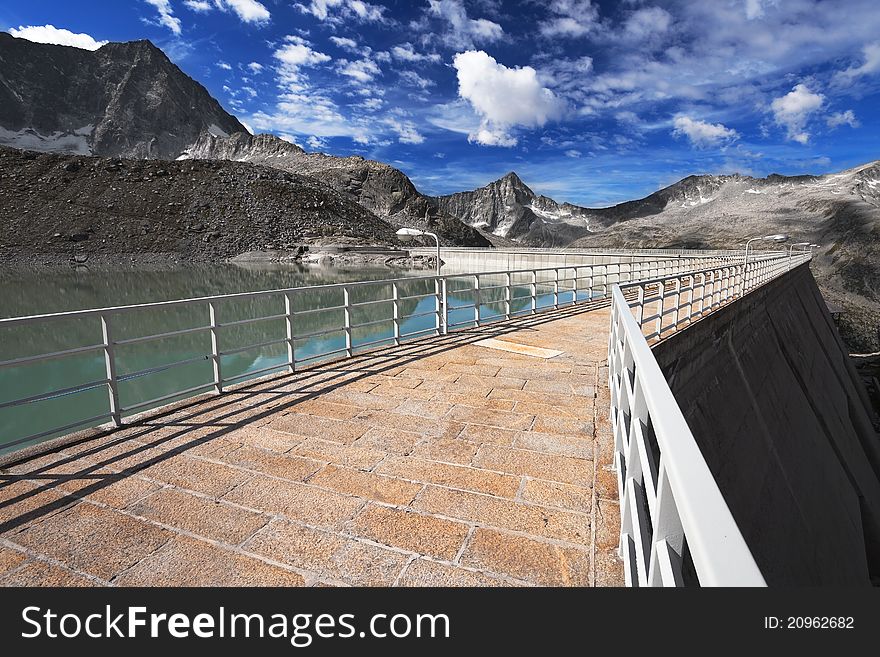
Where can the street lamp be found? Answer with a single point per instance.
(766, 238)
(791, 249)
(407, 234)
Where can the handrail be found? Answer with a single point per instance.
(672, 509)
(548, 288)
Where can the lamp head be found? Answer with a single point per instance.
(776, 238)
(407, 234)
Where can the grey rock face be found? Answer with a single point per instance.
(124, 99)
(509, 208)
(378, 187)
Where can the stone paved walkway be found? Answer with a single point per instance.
(440, 463)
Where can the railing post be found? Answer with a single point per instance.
(556, 289)
(534, 291)
(110, 365)
(215, 348)
(444, 320)
(507, 295)
(395, 313)
(346, 312)
(477, 299)
(288, 320)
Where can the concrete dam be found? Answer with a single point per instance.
(521, 418)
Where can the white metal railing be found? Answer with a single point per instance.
(396, 310)
(672, 511)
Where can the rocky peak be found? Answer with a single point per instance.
(124, 99)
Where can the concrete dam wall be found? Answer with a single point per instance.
(787, 429)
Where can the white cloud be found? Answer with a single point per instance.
(702, 134)
(842, 118)
(405, 52)
(249, 11)
(645, 23)
(792, 111)
(224, 66)
(166, 15)
(570, 18)
(361, 71)
(573, 153)
(503, 97)
(871, 64)
(294, 54)
(406, 131)
(56, 36)
(255, 67)
(199, 6)
(345, 43)
(464, 31)
(316, 143)
(755, 8)
(413, 79)
(357, 10)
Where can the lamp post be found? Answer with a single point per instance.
(791, 249)
(407, 234)
(766, 238)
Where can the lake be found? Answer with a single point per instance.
(149, 370)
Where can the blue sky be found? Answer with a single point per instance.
(590, 102)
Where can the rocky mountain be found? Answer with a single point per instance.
(508, 208)
(56, 207)
(840, 211)
(378, 187)
(124, 99)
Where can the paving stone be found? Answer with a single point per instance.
(502, 419)
(189, 562)
(117, 491)
(22, 504)
(93, 539)
(423, 409)
(453, 476)
(262, 437)
(201, 476)
(313, 506)
(493, 382)
(524, 558)
(480, 434)
(578, 445)
(448, 450)
(553, 493)
(503, 513)
(295, 468)
(353, 456)
(40, 573)
(607, 524)
(199, 515)
(423, 572)
(10, 559)
(329, 555)
(312, 426)
(535, 464)
(565, 426)
(327, 409)
(366, 484)
(411, 531)
(392, 441)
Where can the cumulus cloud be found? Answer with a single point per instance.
(464, 31)
(255, 67)
(701, 133)
(405, 52)
(166, 15)
(504, 98)
(224, 66)
(871, 64)
(345, 43)
(793, 110)
(405, 130)
(336, 11)
(56, 36)
(294, 54)
(573, 153)
(646, 23)
(755, 8)
(842, 118)
(249, 11)
(361, 71)
(413, 79)
(570, 18)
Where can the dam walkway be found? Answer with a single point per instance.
(507, 428)
(479, 458)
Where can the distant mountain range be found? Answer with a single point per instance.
(128, 100)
